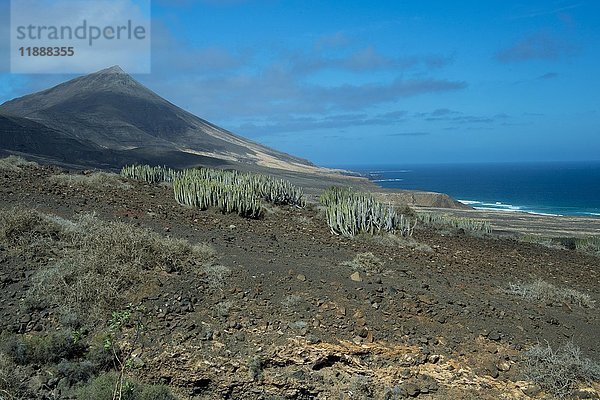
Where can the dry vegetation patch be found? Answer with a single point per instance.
(96, 263)
(543, 291)
(365, 262)
(559, 371)
(94, 180)
(106, 261)
(87, 269)
(15, 163)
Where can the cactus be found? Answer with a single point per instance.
(442, 220)
(228, 198)
(229, 190)
(349, 213)
(149, 174)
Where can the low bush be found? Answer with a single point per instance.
(21, 227)
(365, 262)
(98, 264)
(15, 163)
(105, 263)
(546, 292)
(589, 244)
(105, 386)
(397, 241)
(76, 371)
(559, 371)
(13, 384)
(42, 349)
(216, 275)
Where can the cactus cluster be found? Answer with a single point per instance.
(349, 213)
(228, 198)
(150, 174)
(442, 220)
(230, 191)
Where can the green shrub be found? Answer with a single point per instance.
(103, 388)
(76, 371)
(149, 174)
(589, 244)
(42, 349)
(103, 357)
(229, 198)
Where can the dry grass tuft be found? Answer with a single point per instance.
(15, 163)
(94, 180)
(98, 263)
(107, 261)
(365, 262)
(559, 371)
(216, 275)
(13, 381)
(589, 245)
(546, 292)
(27, 230)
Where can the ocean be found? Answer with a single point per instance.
(543, 188)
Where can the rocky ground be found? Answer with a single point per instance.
(291, 311)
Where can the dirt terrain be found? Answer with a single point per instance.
(293, 316)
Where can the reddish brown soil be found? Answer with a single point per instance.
(290, 323)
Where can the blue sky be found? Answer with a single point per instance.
(388, 82)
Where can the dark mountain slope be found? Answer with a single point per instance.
(112, 110)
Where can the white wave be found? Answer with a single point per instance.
(469, 202)
(544, 214)
(402, 171)
(510, 208)
(495, 209)
(388, 180)
(496, 206)
(501, 206)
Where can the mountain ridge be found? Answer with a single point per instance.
(114, 111)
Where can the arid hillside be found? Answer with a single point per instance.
(108, 284)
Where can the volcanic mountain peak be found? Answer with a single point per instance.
(115, 69)
(115, 80)
(110, 80)
(113, 111)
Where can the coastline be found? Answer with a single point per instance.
(502, 207)
(552, 189)
(529, 224)
(506, 219)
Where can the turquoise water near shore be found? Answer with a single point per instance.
(559, 188)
